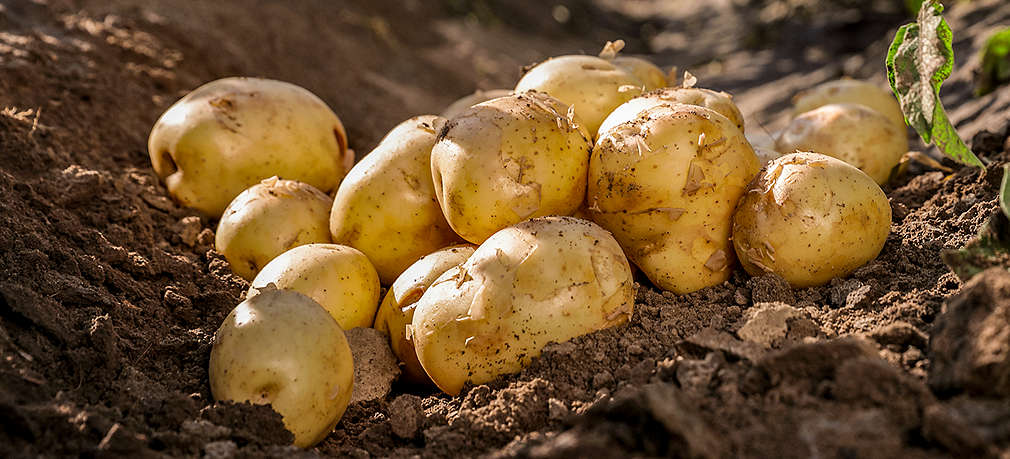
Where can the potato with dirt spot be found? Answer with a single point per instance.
(465, 102)
(666, 184)
(281, 348)
(397, 309)
(721, 102)
(544, 280)
(386, 205)
(339, 278)
(229, 134)
(810, 218)
(507, 160)
(849, 91)
(268, 219)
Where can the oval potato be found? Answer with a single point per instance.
(849, 91)
(648, 73)
(721, 102)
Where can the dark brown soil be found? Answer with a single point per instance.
(110, 293)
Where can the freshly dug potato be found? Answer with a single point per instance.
(810, 218)
(507, 160)
(397, 310)
(543, 280)
(852, 133)
(465, 102)
(269, 219)
(339, 278)
(229, 134)
(386, 205)
(648, 73)
(666, 184)
(593, 87)
(721, 102)
(282, 348)
(847, 91)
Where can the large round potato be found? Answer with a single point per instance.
(465, 102)
(648, 73)
(339, 278)
(852, 133)
(592, 86)
(269, 219)
(848, 91)
(810, 218)
(229, 134)
(397, 309)
(509, 159)
(666, 184)
(543, 280)
(282, 348)
(721, 102)
(386, 205)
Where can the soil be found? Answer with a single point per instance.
(110, 293)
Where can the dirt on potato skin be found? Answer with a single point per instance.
(110, 293)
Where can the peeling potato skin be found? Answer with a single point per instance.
(810, 218)
(507, 160)
(544, 280)
(665, 184)
(719, 101)
(848, 91)
(648, 73)
(269, 219)
(282, 348)
(386, 206)
(397, 309)
(852, 133)
(458, 107)
(229, 134)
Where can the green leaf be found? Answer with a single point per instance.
(995, 68)
(919, 60)
(992, 246)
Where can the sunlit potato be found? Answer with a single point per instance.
(648, 73)
(465, 102)
(849, 91)
(721, 102)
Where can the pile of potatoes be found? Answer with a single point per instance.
(467, 218)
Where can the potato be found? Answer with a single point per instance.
(810, 218)
(229, 134)
(509, 159)
(646, 72)
(666, 184)
(847, 91)
(465, 102)
(593, 87)
(721, 102)
(543, 280)
(852, 133)
(386, 205)
(282, 348)
(397, 310)
(269, 219)
(339, 278)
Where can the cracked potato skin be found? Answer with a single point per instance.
(719, 101)
(544, 280)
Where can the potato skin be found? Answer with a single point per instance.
(721, 102)
(269, 219)
(666, 185)
(229, 134)
(849, 91)
(543, 280)
(648, 73)
(386, 205)
(852, 133)
(282, 348)
(509, 159)
(810, 218)
(397, 309)
(339, 278)
(459, 106)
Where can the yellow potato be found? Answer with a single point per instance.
(507, 160)
(386, 205)
(339, 278)
(721, 102)
(397, 310)
(465, 102)
(666, 184)
(593, 87)
(543, 280)
(282, 348)
(229, 134)
(269, 219)
(646, 72)
(848, 91)
(852, 133)
(810, 218)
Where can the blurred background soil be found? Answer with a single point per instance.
(110, 293)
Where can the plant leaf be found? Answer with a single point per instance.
(995, 68)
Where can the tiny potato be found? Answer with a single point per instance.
(848, 91)
(507, 160)
(810, 218)
(269, 219)
(282, 348)
(229, 134)
(339, 278)
(397, 310)
(721, 102)
(465, 102)
(852, 133)
(648, 73)
(544, 280)
(386, 205)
